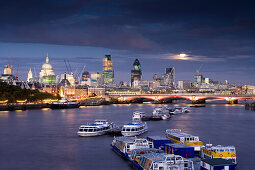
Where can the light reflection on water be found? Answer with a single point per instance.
(47, 138)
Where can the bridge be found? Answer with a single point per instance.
(194, 97)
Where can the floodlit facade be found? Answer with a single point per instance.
(136, 73)
(95, 79)
(47, 75)
(29, 75)
(85, 79)
(108, 73)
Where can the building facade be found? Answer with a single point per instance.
(108, 72)
(169, 78)
(95, 79)
(136, 72)
(29, 76)
(85, 79)
(47, 75)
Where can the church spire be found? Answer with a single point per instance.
(47, 59)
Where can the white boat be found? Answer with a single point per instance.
(157, 112)
(162, 161)
(138, 116)
(161, 112)
(178, 110)
(166, 116)
(64, 104)
(99, 127)
(124, 145)
(134, 129)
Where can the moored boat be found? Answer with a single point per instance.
(138, 116)
(178, 110)
(160, 113)
(99, 127)
(124, 145)
(156, 161)
(219, 151)
(64, 104)
(134, 129)
(177, 136)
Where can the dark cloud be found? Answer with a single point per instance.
(215, 31)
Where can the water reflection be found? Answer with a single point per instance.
(51, 135)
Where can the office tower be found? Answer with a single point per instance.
(169, 77)
(85, 79)
(95, 79)
(108, 73)
(198, 78)
(136, 72)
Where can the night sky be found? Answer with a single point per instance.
(218, 36)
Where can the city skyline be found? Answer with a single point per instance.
(217, 35)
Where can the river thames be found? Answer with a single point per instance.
(47, 139)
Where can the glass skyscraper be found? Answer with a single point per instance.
(136, 72)
(108, 73)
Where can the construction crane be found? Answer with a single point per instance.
(67, 68)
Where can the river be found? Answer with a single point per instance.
(47, 139)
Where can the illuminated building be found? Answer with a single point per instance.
(47, 74)
(7, 76)
(184, 84)
(8, 70)
(29, 76)
(69, 77)
(198, 79)
(85, 79)
(169, 77)
(108, 73)
(95, 79)
(136, 72)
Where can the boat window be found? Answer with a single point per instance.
(132, 129)
(221, 150)
(178, 158)
(232, 150)
(226, 150)
(81, 130)
(90, 130)
(85, 130)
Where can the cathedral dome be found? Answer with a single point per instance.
(47, 69)
(47, 66)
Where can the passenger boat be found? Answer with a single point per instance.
(99, 127)
(217, 164)
(124, 145)
(134, 129)
(177, 110)
(161, 113)
(64, 104)
(138, 116)
(177, 136)
(219, 151)
(166, 116)
(156, 161)
(137, 153)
